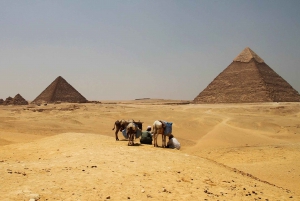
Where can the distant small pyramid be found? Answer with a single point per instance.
(19, 100)
(248, 79)
(8, 101)
(60, 91)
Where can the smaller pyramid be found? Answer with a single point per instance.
(1, 101)
(60, 91)
(19, 100)
(8, 101)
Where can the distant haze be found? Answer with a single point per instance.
(123, 50)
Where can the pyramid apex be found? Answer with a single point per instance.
(246, 55)
(18, 95)
(59, 79)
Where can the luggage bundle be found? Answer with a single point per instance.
(137, 134)
(167, 127)
(124, 133)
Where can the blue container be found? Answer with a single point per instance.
(168, 129)
(138, 133)
(124, 133)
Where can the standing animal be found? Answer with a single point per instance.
(158, 129)
(119, 125)
(122, 124)
(131, 131)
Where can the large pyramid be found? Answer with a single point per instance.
(248, 79)
(60, 91)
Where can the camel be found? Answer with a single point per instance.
(119, 125)
(122, 124)
(158, 128)
(131, 131)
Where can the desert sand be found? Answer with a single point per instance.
(228, 152)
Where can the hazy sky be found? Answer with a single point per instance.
(128, 49)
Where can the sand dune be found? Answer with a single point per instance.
(229, 152)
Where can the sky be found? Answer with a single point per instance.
(130, 49)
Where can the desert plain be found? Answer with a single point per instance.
(68, 151)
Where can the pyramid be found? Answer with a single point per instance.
(8, 101)
(19, 100)
(248, 79)
(60, 91)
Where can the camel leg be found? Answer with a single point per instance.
(116, 133)
(129, 139)
(117, 126)
(155, 140)
(132, 138)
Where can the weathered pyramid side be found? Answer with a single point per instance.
(248, 79)
(64, 92)
(279, 89)
(60, 90)
(47, 94)
(239, 82)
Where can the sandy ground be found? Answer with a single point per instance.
(229, 152)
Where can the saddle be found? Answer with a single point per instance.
(167, 126)
(164, 125)
(139, 124)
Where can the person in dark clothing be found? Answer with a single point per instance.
(146, 137)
